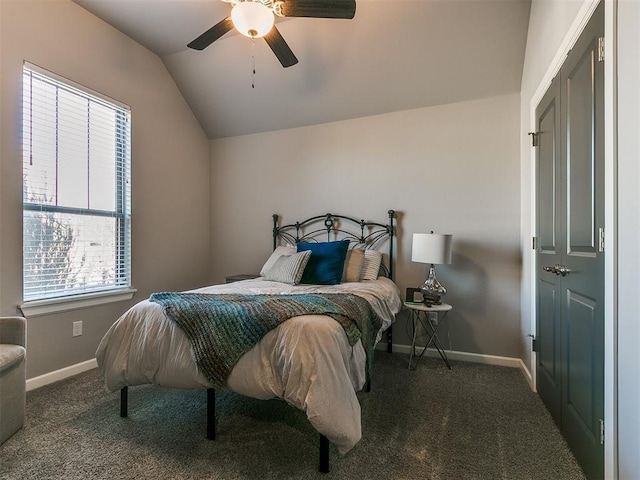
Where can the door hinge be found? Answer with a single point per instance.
(601, 432)
(534, 243)
(601, 49)
(534, 138)
(601, 240)
(534, 343)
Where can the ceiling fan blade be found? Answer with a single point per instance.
(211, 35)
(280, 48)
(319, 8)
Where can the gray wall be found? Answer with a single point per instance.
(170, 166)
(628, 238)
(452, 169)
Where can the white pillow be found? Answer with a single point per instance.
(371, 266)
(277, 253)
(288, 268)
(353, 265)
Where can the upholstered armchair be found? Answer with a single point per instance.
(12, 375)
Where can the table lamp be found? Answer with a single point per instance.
(431, 248)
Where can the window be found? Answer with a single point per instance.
(76, 190)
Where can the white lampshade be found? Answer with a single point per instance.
(431, 248)
(252, 19)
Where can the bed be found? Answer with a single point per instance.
(150, 345)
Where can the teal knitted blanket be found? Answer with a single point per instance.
(222, 328)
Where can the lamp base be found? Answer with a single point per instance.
(431, 289)
(430, 300)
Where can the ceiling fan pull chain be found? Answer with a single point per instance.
(253, 62)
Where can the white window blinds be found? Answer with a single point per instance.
(76, 189)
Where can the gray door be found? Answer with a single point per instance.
(549, 245)
(570, 365)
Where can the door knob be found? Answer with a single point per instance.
(557, 269)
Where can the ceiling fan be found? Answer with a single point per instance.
(255, 19)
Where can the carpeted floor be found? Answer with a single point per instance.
(473, 422)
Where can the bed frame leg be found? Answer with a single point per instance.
(390, 339)
(124, 396)
(211, 413)
(324, 454)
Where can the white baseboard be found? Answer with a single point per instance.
(527, 374)
(469, 357)
(47, 378)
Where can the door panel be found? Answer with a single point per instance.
(548, 331)
(570, 313)
(580, 322)
(580, 164)
(548, 370)
(547, 158)
(582, 100)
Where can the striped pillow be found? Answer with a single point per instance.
(288, 268)
(277, 253)
(371, 266)
(353, 265)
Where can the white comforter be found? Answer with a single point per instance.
(306, 361)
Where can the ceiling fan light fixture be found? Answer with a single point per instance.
(252, 19)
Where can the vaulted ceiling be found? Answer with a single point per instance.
(394, 55)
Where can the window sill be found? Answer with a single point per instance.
(55, 305)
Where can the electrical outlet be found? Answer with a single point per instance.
(77, 328)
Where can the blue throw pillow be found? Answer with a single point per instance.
(326, 263)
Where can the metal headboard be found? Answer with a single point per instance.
(329, 227)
